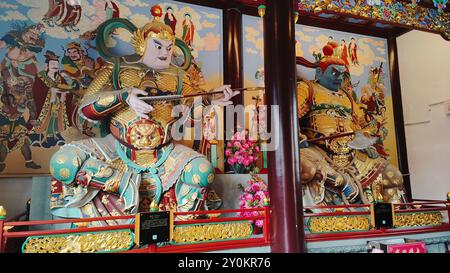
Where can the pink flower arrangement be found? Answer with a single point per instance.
(253, 196)
(242, 153)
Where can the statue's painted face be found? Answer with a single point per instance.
(158, 54)
(333, 76)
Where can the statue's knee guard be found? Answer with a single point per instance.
(198, 173)
(308, 171)
(191, 190)
(392, 177)
(65, 163)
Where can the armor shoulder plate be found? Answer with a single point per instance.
(131, 76)
(102, 78)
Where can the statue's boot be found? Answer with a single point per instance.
(32, 165)
(213, 201)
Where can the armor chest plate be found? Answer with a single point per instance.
(142, 133)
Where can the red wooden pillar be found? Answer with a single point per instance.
(286, 223)
(232, 56)
(232, 26)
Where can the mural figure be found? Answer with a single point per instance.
(72, 16)
(14, 128)
(188, 30)
(78, 65)
(112, 10)
(55, 12)
(66, 14)
(170, 19)
(18, 70)
(22, 44)
(343, 52)
(372, 96)
(54, 104)
(353, 51)
(335, 167)
(334, 45)
(80, 68)
(138, 161)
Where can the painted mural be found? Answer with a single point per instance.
(368, 64)
(48, 58)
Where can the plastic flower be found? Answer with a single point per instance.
(242, 153)
(253, 197)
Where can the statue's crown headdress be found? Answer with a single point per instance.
(154, 29)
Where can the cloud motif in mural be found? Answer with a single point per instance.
(382, 50)
(31, 3)
(309, 29)
(299, 49)
(211, 15)
(207, 24)
(301, 36)
(13, 15)
(7, 6)
(135, 3)
(211, 42)
(254, 36)
(251, 51)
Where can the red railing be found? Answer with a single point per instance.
(415, 206)
(198, 247)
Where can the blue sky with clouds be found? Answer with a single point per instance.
(207, 40)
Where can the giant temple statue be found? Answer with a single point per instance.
(137, 166)
(336, 168)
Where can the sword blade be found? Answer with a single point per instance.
(180, 97)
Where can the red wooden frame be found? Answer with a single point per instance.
(426, 206)
(200, 247)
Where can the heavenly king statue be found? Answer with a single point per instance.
(335, 169)
(137, 166)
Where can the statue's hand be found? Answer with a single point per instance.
(227, 95)
(140, 107)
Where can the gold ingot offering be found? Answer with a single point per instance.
(2, 212)
(261, 10)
